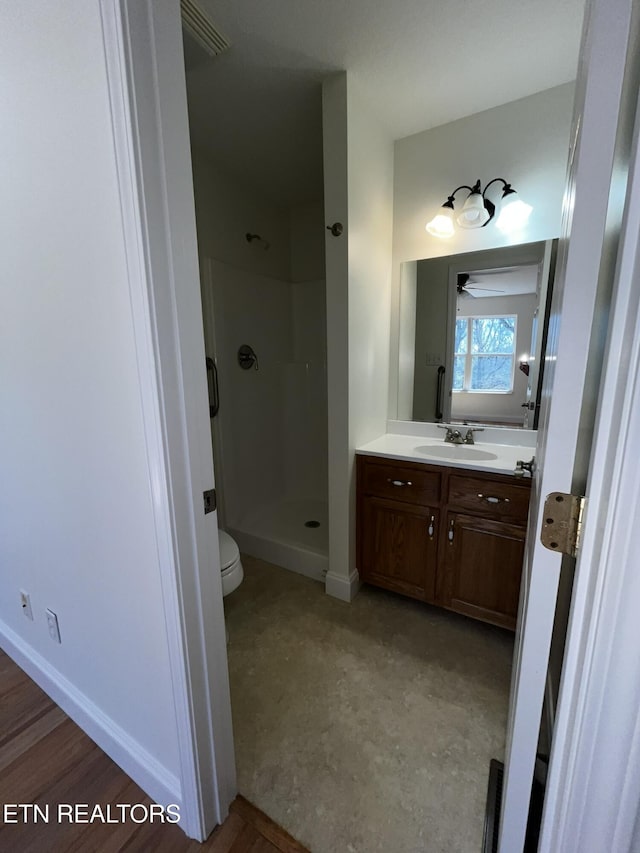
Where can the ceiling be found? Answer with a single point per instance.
(256, 108)
(507, 281)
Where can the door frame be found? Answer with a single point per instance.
(593, 786)
(596, 188)
(147, 92)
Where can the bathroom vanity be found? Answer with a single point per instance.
(449, 534)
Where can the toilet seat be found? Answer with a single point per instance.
(230, 563)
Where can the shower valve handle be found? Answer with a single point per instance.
(247, 357)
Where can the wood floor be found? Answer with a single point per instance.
(45, 759)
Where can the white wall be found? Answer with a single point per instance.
(526, 142)
(370, 177)
(334, 130)
(307, 235)
(358, 162)
(76, 516)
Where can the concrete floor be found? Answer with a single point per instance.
(364, 727)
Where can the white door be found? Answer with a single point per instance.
(572, 368)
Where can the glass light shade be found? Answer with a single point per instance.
(442, 223)
(473, 214)
(513, 215)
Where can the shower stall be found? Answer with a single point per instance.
(267, 340)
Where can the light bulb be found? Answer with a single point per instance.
(474, 214)
(513, 215)
(442, 223)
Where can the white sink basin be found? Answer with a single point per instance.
(455, 451)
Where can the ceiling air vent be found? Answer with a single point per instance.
(201, 28)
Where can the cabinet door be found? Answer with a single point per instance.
(483, 561)
(399, 546)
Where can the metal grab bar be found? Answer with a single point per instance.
(212, 384)
(439, 387)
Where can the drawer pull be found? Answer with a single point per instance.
(493, 500)
(450, 533)
(430, 528)
(400, 482)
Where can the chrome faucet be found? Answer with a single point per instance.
(468, 439)
(453, 436)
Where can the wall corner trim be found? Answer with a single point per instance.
(162, 785)
(344, 588)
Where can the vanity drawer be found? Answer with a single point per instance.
(491, 498)
(409, 483)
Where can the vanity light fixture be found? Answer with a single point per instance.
(478, 210)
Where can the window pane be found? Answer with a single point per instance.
(458, 373)
(491, 372)
(493, 334)
(461, 335)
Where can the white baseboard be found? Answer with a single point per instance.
(344, 588)
(291, 557)
(154, 779)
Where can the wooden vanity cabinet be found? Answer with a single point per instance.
(398, 522)
(444, 535)
(399, 551)
(482, 558)
(482, 568)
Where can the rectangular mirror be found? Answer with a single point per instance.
(472, 335)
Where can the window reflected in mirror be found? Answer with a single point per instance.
(484, 354)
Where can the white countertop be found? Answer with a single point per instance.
(416, 448)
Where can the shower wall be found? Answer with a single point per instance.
(255, 310)
(309, 325)
(226, 208)
(305, 397)
(271, 431)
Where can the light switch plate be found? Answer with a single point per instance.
(52, 625)
(25, 603)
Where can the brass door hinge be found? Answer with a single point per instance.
(562, 523)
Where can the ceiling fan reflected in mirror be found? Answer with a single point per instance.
(466, 286)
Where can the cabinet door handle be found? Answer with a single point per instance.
(400, 482)
(450, 533)
(491, 499)
(431, 528)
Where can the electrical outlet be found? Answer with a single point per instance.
(25, 603)
(52, 625)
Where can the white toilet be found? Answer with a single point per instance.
(230, 564)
